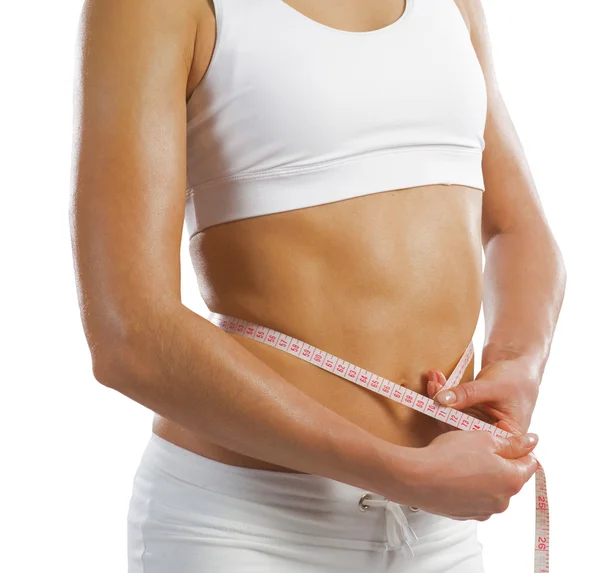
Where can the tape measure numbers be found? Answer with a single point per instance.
(410, 398)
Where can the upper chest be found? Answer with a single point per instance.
(351, 15)
(347, 15)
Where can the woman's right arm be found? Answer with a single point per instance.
(127, 213)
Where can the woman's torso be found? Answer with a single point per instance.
(389, 281)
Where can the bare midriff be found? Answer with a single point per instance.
(390, 282)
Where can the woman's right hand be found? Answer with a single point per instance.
(465, 475)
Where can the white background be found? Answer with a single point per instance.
(70, 446)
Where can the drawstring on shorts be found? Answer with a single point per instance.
(399, 533)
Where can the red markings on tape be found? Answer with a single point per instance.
(403, 395)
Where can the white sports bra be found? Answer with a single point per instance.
(292, 113)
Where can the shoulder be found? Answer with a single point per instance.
(137, 17)
(136, 36)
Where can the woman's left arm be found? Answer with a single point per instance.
(524, 276)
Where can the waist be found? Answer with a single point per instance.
(392, 279)
(391, 282)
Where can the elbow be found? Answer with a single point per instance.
(108, 367)
(112, 364)
(127, 349)
(115, 359)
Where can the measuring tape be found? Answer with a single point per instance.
(414, 400)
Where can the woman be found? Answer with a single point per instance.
(339, 167)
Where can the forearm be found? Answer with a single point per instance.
(191, 372)
(524, 284)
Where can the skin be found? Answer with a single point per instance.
(401, 298)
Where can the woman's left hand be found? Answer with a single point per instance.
(504, 393)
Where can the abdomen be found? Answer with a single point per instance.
(390, 282)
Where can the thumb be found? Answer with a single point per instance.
(469, 394)
(516, 446)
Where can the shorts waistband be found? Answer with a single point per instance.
(314, 509)
(296, 488)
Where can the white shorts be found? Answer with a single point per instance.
(191, 514)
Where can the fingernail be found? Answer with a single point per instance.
(448, 397)
(431, 375)
(528, 440)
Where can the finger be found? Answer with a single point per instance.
(516, 446)
(438, 377)
(527, 466)
(470, 393)
(479, 413)
(433, 384)
(492, 416)
(433, 387)
(430, 388)
(482, 517)
(508, 427)
(491, 412)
